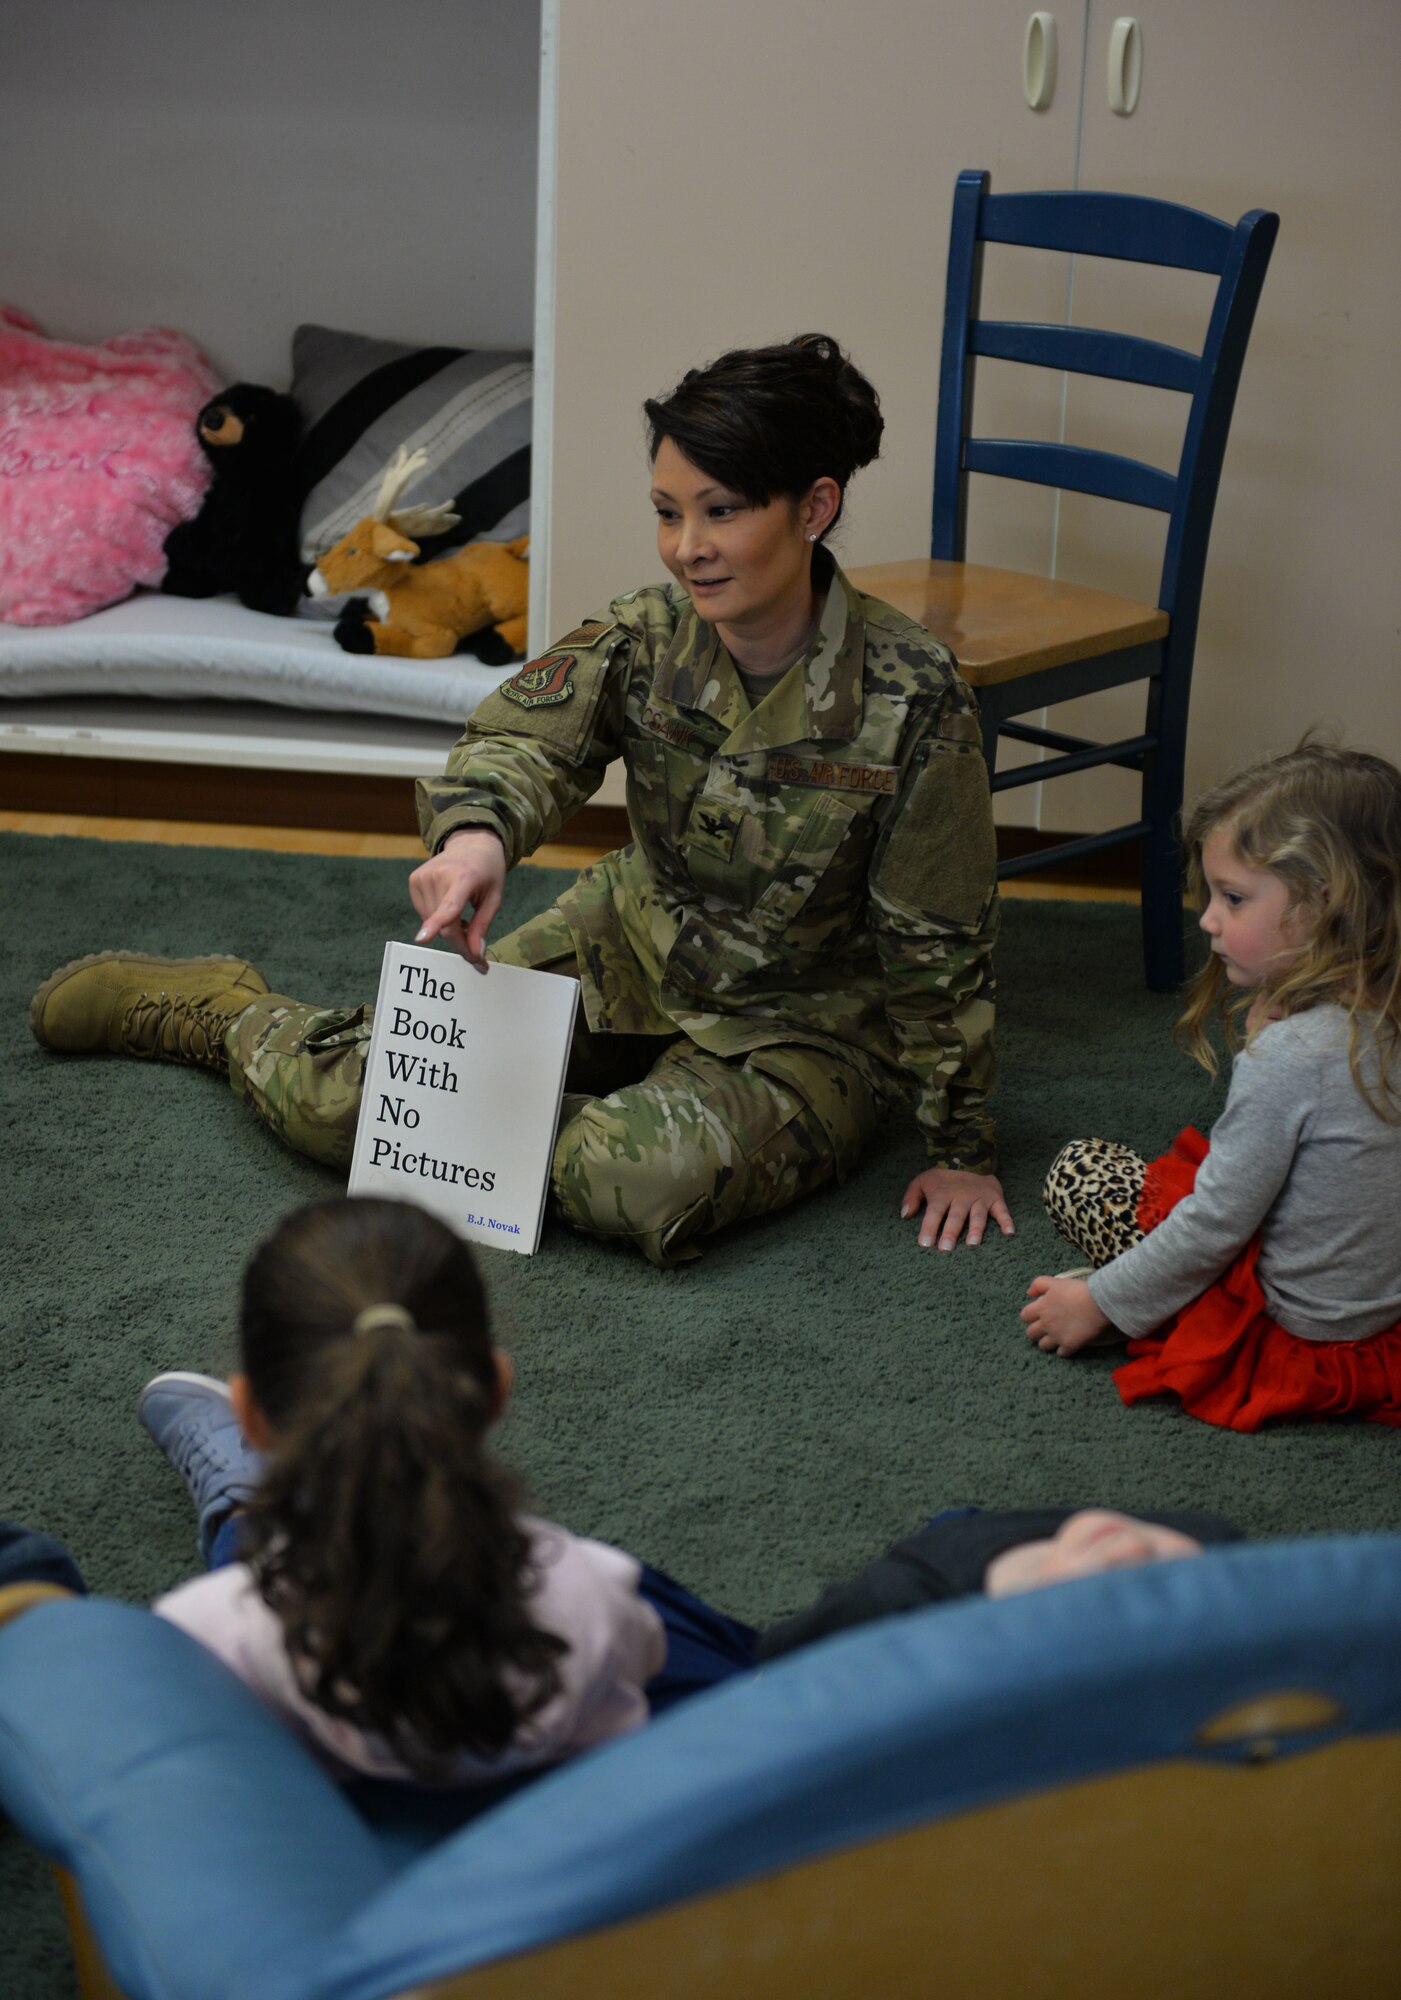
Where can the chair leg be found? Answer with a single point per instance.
(989, 717)
(1163, 957)
(1161, 878)
(1164, 774)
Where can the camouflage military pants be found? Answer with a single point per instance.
(659, 1142)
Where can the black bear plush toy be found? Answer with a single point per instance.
(245, 536)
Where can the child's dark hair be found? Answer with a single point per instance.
(768, 421)
(1327, 822)
(383, 1535)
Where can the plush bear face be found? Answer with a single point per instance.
(248, 431)
(219, 426)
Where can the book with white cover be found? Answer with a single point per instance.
(462, 1092)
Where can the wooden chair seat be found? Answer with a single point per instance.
(1000, 624)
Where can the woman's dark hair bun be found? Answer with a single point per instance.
(861, 403)
(821, 346)
(769, 421)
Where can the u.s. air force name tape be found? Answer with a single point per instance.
(785, 769)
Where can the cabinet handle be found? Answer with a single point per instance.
(1039, 60)
(1125, 66)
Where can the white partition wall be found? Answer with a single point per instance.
(233, 170)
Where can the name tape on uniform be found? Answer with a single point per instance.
(785, 769)
(673, 730)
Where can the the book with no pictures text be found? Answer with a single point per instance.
(462, 1092)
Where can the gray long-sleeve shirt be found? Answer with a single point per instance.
(1298, 1154)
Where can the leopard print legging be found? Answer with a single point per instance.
(1091, 1195)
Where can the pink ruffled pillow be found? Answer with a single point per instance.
(98, 461)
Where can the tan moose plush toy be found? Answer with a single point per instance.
(420, 611)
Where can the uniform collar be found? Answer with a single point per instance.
(818, 699)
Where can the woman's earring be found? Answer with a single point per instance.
(812, 538)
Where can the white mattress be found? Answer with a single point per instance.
(180, 648)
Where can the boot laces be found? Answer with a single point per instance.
(179, 1028)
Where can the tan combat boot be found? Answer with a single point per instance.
(165, 1009)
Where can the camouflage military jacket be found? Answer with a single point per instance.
(819, 869)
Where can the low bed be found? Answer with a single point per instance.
(184, 649)
(150, 679)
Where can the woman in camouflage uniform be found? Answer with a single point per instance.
(799, 932)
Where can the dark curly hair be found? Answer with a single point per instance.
(768, 421)
(384, 1536)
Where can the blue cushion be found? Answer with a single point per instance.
(202, 1835)
(901, 1722)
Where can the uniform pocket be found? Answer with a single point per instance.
(825, 825)
(941, 856)
(541, 943)
(663, 785)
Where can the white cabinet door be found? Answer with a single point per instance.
(1285, 105)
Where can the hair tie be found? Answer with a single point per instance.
(380, 1318)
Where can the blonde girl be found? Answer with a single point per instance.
(1262, 1277)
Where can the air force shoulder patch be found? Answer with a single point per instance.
(543, 683)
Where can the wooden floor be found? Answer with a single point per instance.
(402, 847)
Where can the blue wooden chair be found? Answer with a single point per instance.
(1027, 642)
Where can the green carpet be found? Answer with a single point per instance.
(756, 1423)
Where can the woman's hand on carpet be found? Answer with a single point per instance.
(1062, 1317)
(466, 875)
(952, 1201)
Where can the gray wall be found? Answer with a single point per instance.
(231, 170)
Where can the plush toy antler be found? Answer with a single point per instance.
(419, 520)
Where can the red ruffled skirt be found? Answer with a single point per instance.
(1228, 1361)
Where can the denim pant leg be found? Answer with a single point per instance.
(703, 1646)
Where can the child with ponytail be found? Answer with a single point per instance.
(375, 1579)
(1261, 1277)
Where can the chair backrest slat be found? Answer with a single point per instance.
(1129, 226)
(1100, 472)
(1087, 351)
(1137, 230)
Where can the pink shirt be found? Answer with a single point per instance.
(586, 1593)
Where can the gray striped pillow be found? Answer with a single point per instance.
(360, 399)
